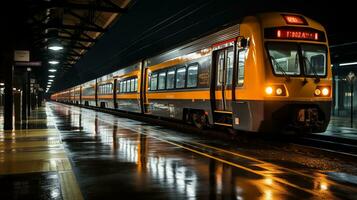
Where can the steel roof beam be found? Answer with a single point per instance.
(77, 47)
(75, 27)
(79, 39)
(74, 54)
(72, 60)
(73, 34)
(76, 6)
(83, 19)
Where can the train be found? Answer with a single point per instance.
(269, 72)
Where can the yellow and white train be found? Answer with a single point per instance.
(269, 72)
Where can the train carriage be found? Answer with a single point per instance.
(89, 93)
(77, 95)
(127, 93)
(178, 81)
(71, 95)
(105, 89)
(268, 72)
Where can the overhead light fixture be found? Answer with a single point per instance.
(52, 70)
(51, 76)
(50, 80)
(53, 62)
(2, 84)
(54, 44)
(55, 47)
(346, 64)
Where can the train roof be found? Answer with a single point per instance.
(196, 44)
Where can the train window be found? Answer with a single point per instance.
(284, 58)
(230, 59)
(314, 57)
(162, 80)
(241, 64)
(220, 68)
(192, 72)
(170, 81)
(127, 85)
(110, 86)
(153, 82)
(181, 77)
(124, 86)
(136, 84)
(121, 87)
(149, 81)
(132, 87)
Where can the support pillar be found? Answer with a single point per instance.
(28, 94)
(8, 106)
(24, 97)
(17, 106)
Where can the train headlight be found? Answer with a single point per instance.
(269, 90)
(275, 90)
(317, 92)
(325, 91)
(279, 91)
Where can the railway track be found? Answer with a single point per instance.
(334, 145)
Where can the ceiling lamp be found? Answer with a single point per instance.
(55, 45)
(51, 76)
(53, 62)
(55, 48)
(52, 70)
(346, 64)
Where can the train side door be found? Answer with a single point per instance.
(224, 60)
(143, 90)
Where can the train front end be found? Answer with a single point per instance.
(298, 84)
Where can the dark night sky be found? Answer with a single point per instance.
(150, 27)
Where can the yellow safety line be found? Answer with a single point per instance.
(223, 124)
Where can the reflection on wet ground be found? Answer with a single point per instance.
(27, 186)
(118, 157)
(33, 161)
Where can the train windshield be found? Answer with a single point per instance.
(314, 57)
(286, 59)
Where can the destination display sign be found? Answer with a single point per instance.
(294, 33)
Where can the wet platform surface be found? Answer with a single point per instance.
(33, 162)
(119, 158)
(341, 127)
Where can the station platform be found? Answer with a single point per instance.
(341, 127)
(68, 152)
(33, 162)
